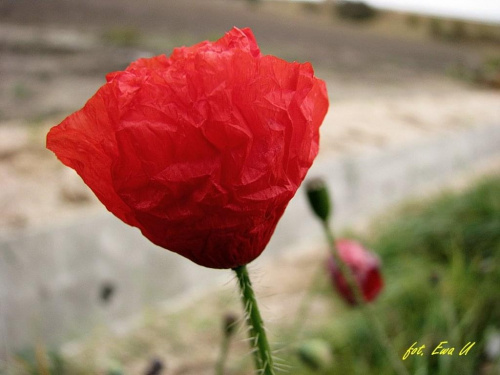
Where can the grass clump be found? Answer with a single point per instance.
(442, 273)
(468, 223)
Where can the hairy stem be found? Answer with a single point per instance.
(258, 338)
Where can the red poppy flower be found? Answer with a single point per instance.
(365, 267)
(202, 150)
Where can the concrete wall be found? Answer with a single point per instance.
(51, 279)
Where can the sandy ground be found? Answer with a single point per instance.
(185, 334)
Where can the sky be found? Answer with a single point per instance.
(479, 10)
(487, 11)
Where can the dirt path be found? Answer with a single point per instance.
(298, 36)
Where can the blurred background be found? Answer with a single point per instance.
(415, 108)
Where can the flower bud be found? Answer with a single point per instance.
(156, 367)
(316, 354)
(364, 266)
(319, 199)
(434, 279)
(230, 324)
(106, 292)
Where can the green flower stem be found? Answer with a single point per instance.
(219, 367)
(344, 268)
(258, 338)
(366, 309)
(304, 307)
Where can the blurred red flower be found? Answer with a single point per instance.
(203, 150)
(365, 267)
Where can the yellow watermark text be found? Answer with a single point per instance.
(441, 349)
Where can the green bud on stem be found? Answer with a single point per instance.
(319, 199)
